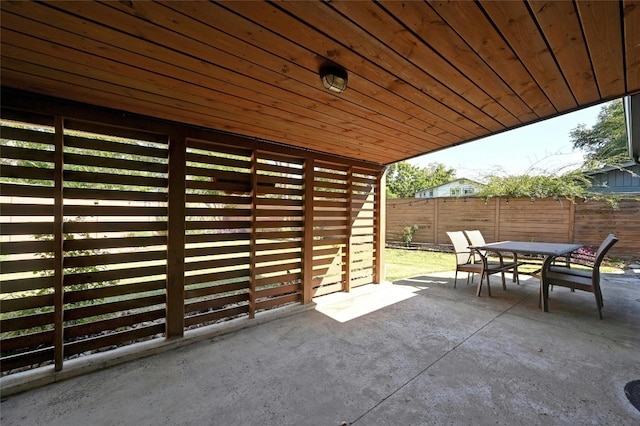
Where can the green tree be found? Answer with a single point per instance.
(569, 185)
(606, 141)
(404, 179)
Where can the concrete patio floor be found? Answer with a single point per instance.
(417, 352)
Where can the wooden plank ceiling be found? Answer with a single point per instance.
(422, 76)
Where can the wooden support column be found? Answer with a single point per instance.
(253, 241)
(176, 237)
(380, 228)
(307, 234)
(58, 245)
(346, 285)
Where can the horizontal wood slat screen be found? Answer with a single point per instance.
(502, 219)
(218, 231)
(114, 176)
(250, 222)
(27, 321)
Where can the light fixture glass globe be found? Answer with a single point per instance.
(334, 79)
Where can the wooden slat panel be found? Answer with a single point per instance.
(26, 228)
(278, 279)
(223, 117)
(105, 243)
(218, 263)
(25, 341)
(513, 21)
(117, 338)
(114, 258)
(277, 291)
(71, 314)
(603, 32)
(234, 25)
(126, 321)
(91, 227)
(26, 284)
(25, 359)
(22, 190)
(83, 210)
(277, 301)
(218, 303)
(118, 274)
(561, 26)
(27, 265)
(94, 193)
(391, 33)
(133, 149)
(114, 179)
(216, 289)
(322, 18)
(223, 314)
(26, 322)
(71, 296)
(632, 44)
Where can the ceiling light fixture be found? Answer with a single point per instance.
(333, 78)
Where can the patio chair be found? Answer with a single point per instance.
(476, 238)
(467, 262)
(578, 279)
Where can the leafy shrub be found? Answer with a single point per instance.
(407, 234)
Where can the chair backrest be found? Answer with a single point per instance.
(475, 237)
(602, 251)
(460, 246)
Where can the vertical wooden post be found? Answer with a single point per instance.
(346, 286)
(307, 234)
(496, 230)
(436, 219)
(252, 240)
(176, 237)
(380, 227)
(572, 221)
(58, 245)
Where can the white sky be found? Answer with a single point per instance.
(544, 146)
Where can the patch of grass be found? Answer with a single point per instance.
(409, 263)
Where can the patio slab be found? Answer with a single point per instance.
(414, 352)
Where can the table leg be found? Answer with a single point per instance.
(544, 289)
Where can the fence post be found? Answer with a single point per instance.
(176, 237)
(436, 215)
(58, 247)
(496, 230)
(572, 221)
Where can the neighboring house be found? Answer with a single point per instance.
(616, 180)
(456, 188)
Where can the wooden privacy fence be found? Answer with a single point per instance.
(112, 235)
(522, 219)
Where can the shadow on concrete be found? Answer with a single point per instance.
(415, 352)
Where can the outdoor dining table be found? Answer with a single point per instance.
(548, 250)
